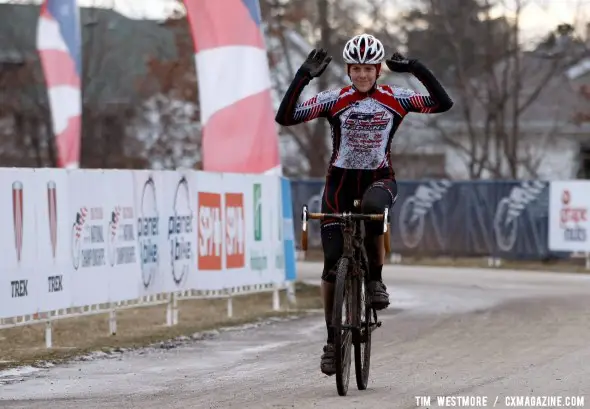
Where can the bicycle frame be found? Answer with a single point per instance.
(352, 271)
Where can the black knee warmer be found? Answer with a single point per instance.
(377, 197)
(333, 245)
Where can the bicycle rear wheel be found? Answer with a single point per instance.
(343, 295)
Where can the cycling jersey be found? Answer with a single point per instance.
(363, 124)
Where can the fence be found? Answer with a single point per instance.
(498, 219)
(96, 241)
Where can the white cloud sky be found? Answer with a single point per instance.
(539, 16)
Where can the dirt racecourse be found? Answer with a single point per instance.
(477, 333)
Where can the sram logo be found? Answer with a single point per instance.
(210, 241)
(235, 237)
(219, 227)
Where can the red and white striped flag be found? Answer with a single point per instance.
(237, 114)
(59, 47)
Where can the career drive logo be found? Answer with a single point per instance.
(572, 219)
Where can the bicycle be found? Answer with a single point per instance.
(352, 272)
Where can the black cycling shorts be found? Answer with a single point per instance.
(376, 189)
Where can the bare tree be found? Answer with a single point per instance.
(24, 115)
(169, 116)
(501, 121)
(105, 110)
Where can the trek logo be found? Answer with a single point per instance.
(235, 235)
(52, 214)
(370, 121)
(17, 217)
(209, 231)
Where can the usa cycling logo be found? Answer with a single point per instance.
(509, 210)
(77, 233)
(114, 224)
(416, 207)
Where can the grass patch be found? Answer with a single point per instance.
(566, 266)
(572, 265)
(139, 327)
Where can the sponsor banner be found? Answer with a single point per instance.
(238, 230)
(277, 236)
(520, 219)
(288, 230)
(52, 201)
(20, 279)
(180, 239)
(569, 218)
(84, 237)
(152, 226)
(88, 218)
(267, 252)
(507, 219)
(122, 252)
(210, 230)
(307, 192)
(419, 216)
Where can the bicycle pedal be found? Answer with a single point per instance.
(378, 324)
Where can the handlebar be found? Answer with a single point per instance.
(345, 215)
(305, 216)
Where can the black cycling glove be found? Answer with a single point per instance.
(316, 63)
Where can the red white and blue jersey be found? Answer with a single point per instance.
(363, 124)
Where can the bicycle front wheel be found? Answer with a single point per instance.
(362, 348)
(343, 296)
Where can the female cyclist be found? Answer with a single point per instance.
(363, 117)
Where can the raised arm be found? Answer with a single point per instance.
(436, 102)
(290, 112)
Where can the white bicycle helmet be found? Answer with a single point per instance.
(363, 49)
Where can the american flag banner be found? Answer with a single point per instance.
(59, 47)
(237, 114)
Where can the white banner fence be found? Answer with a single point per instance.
(569, 216)
(79, 242)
